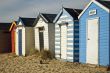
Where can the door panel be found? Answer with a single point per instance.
(92, 41)
(41, 39)
(20, 42)
(63, 41)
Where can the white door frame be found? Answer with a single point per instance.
(60, 25)
(87, 35)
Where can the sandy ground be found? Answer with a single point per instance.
(10, 63)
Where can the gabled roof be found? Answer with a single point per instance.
(73, 12)
(101, 3)
(14, 23)
(48, 18)
(5, 26)
(105, 3)
(28, 22)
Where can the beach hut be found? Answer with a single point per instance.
(67, 35)
(95, 33)
(13, 37)
(44, 32)
(24, 36)
(5, 38)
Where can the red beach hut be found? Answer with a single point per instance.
(13, 36)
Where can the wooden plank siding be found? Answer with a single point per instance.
(29, 39)
(72, 39)
(103, 15)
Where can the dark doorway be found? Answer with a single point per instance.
(41, 38)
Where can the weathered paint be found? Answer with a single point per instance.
(103, 58)
(72, 46)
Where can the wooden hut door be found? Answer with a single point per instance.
(92, 42)
(41, 38)
(20, 42)
(63, 42)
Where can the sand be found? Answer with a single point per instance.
(10, 63)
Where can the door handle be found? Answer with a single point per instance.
(88, 39)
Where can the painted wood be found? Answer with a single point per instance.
(48, 35)
(72, 46)
(63, 42)
(13, 36)
(13, 39)
(20, 42)
(92, 41)
(29, 42)
(103, 36)
(37, 47)
(41, 23)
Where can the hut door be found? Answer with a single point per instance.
(63, 41)
(41, 38)
(92, 42)
(20, 42)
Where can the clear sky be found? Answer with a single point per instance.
(11, 9)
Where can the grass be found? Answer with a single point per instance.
(46, 54)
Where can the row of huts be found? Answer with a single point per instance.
(72, 35)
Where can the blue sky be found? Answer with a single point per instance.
(11, 9)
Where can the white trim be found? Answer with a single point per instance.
(57, 38)
(70, 39)
(85, 9)
(57, 43)
(58, 56)
(58, 16)
(57, 51)
(57, 46)
(70, 58)
(70, 43)
(70, 34)
(58, 30)
(70, 29)
(64, 16)
(44, 17)
(70, 53)
(70, 48)
(105, 8)
(70, 25)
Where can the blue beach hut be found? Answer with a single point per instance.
(67, 35)
(95, 33)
